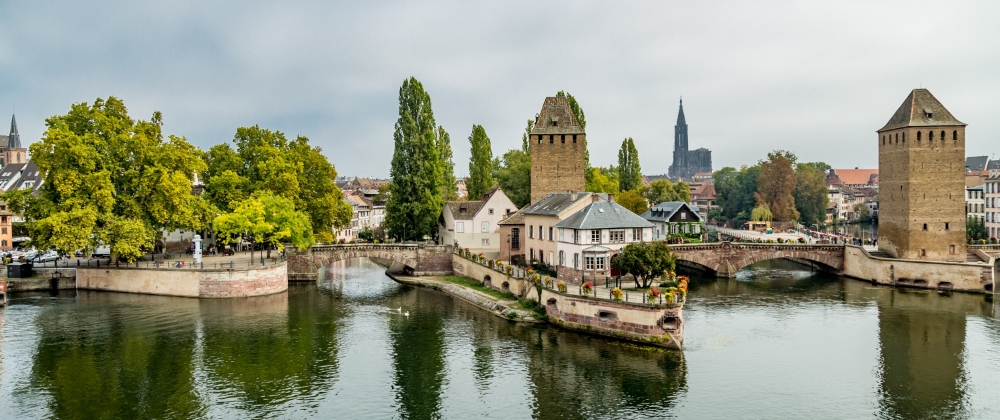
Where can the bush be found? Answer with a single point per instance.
(533, 306)
(509, 296)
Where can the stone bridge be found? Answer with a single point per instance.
(419, 259)
(726, 258)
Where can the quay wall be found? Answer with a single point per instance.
(656, 325)
(966, 277)
(212, 283)
(489, 277)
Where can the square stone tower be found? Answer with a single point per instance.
(921, 160)
(558, 150)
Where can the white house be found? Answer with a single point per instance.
(589, 238)
(475, 224)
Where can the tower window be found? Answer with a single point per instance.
(947, 226)
(930, 136)
(897, 136)
(563, 138)
(574, 138)
(539, 139)
(925, 226)
(918, 136)
(954, 135)
(552, 138)
(883, 140)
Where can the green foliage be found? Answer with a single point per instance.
(513, 171)
(109, 179)
(821, 166)
(574, 106)
(811, 194)
(632, 201)
(645, 260)
(976, 229)
(761, 213)
(663, 190)
(629, 171)
(735, 192)
(776, 183)
(862, 213)
(415, 196)
(449, 186)
(603, 180)
(480, 164)
(265, 217)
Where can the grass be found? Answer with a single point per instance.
(478, 286)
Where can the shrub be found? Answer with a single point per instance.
(616, 294)
(509, 296)
(588, 287)
(561, 286)
(548, 282)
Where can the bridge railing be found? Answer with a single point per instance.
(603, 287)
(515, 271)
(209, 263)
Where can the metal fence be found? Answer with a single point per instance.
(166, 264)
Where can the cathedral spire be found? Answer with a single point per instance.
(680, 114)
(14, 140)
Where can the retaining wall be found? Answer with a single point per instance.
(212, 283)
(967, 277)
(657, 325)
(473, 270)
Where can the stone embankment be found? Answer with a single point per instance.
(499, 308)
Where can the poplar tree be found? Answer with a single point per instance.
(629, 172)
(513, 171)
(449, 186)
(415, 201)
(574, 106)
(480, 164)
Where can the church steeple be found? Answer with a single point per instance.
(14, 140)
(681, 130)
(680, 114)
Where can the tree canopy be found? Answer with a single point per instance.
(265, 217)
(663, 190)
(645, 260)
(109, 179)
(629, 171)
(811, 194)
(603, 180)
(776, 183)
(449, 185)
(415, 199)
(633, 201)
(480, 164)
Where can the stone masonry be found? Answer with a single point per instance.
(726, 258)
(922, 182)
(558, 150)
(422, 259)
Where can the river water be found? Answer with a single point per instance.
(777, 342)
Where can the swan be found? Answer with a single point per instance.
(407, 313)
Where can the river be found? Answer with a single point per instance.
(777, 342)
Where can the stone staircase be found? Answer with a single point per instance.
(880, 254)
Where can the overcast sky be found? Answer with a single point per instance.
(817, 78)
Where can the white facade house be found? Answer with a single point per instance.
(588, 239)
(475, 224)
(975, 202)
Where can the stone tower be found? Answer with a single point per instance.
(558, 150)
(921, 159)
(11, 150)
(686, 162)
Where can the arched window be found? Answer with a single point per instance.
(930, 136)
(539, 139)
(942, 136)
(954, 135)
(918, 136)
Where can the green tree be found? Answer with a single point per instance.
(735, 192)
(761, 213)
(318, 195)
(682, 192)
(109, 179)
(513, 171)
(811, 194)
(822, 166)
(574, 106)
(633, 201)
(629, 171)
(775, 185)
(663, 190)
(480, 164)
(266, 218)
(449, 186)
(862, 213)
(976, 229)
(603, 180)
(645, 260)
(415, 200)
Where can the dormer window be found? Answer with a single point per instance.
(928, 113)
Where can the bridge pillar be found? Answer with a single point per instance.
(726, 270)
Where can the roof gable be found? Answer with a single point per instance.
(556, 117)
(603, 215)
(666, 210)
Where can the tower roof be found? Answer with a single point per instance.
(921, 109)
(14, 139)
(680, 114)
(556, 118)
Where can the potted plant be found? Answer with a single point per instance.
(509, 270)
(652, 295)
(588, 287)
(616, 294)
(561, 286)
(548, 282)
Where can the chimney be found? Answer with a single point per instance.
(611, 197)
(573, 196)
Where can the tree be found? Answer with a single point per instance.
(449, 186)
(603, 180)
(775, 185)
(976, 229)
(110, 180)
(821, 166)
(415, 196)
(266, 218)
(645, 260)
(811, 194)
(513, 171)
(663, 190)
(480, 164)
(735, 192)
(682, 192)
(632, 201)
(761, 213)
(862, 213)
(574, 106)
(318, 196)
(629, 171)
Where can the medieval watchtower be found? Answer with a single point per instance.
(921, 159)
(558, 150)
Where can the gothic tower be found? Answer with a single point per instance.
(11, 151)
(558, 150)
(921, 160)
(680, 163)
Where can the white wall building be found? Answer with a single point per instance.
(591, 237)
(475, 224)
(991, 209)
(975, 202)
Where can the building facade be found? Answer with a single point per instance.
(475, 224)
(588, 239)
(10, 146)
(922, 181)
(975, 203)
(991, 208)
(671, 218)
(558, 150)
(686, 162)
(540, 218)
(512, 238)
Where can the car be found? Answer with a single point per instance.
(46, 257)
(28, 256)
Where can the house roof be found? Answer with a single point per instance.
(976, 188)
(556, 117)
(464, 210)
(554, 203)
(702, 190)
(29, 177)
(603, 215)
(664, 211)
(855, 176)
(921, 109)
(356, 200)
(993, 165)
(596, 248)
(976, 163)
(515, 218)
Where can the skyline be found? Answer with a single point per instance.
(817, 80)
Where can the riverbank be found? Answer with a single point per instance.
(498, 307)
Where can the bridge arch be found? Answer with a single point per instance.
(419, 259)
(726, 258)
